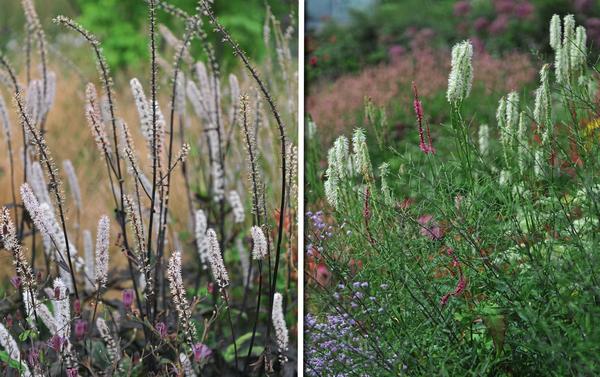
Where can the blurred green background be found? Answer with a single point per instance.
(122, 25)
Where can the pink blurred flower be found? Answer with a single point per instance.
(504, 6)
(323, 275)
(499, 25)
(396, 51)
(524, 10)
(462, 8)
(161, 328)
(80, 328)
(481, 23)
(128, 298)
(201, 352)
(15, 281)
(56, 343)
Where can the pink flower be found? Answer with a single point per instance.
(462, 8)
(418, 107)
(16, 282)
(80, 328)
(499, 25)
(504, 6)
(524, 10)
(77, 307)
(56, 343)
(34, 356)
(161, 328)
(72, 372)
(128, 298)
(323, 275)
(201, 352)
(481, 23)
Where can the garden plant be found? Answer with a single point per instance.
(190, 270)
(471, 247)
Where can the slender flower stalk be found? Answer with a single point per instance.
(182, 306)
(114, 352)
(186, 365)
(73, 183)
(88, 257)
(361, 154)
(201, 239)
(418, 107)
(484, 139)
(384, 172)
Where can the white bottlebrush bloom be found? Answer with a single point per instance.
(361, 157)
(50, 92)
(484, 139)
(237, 207)
(579, 49)
(217, 266)
(38, 183)
(180, 94)
(259, 243)
(234, 90)
(4, 118)
(555, 32)
(102, 255)
(244, 260)
(178, 294)
(88, 257)
(62, 309)
(112, 346)
(11, 347)
(541, 109)
(73, 183)
(201, 240)
(281, 331)
(384, 172)
(341, 155)
(461, 73)
(186, 365)
(568, 30)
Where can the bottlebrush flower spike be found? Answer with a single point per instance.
(523, 147)
(281, 331)
(579, 49)
(418, 106)
(178, 295)
(542, 107)
(461, 73)
(73, 183)
(62, 309)
(216, 260)
(236, 205)
(201, 241)
(112, 346)
(186, 365)
(361, 156)
(102, 243)
(88, 257)
(484, 139)
(555, 32)
(384, 172)
(259, 243)
(9, 344)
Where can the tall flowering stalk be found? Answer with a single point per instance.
(418, 106)
(102, 243)
(182, 305)
(281, 331)
(461, 74)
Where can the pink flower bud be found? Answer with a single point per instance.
(128, 298)
(201, 352)
(16, 282)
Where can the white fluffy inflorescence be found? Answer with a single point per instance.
(236, 205)
(570, 54)
(484, 139)
(186, 365)
(461, 73)
(217, 266)
(259, 243)
(102, 242)
(62, 309)
(178, 294)
(73, 183)
(542, 107)
(88, 257)
(361, 157)
(201, 241)
(281, 331)
(112, 346)
(384, 172)
(507, 116)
